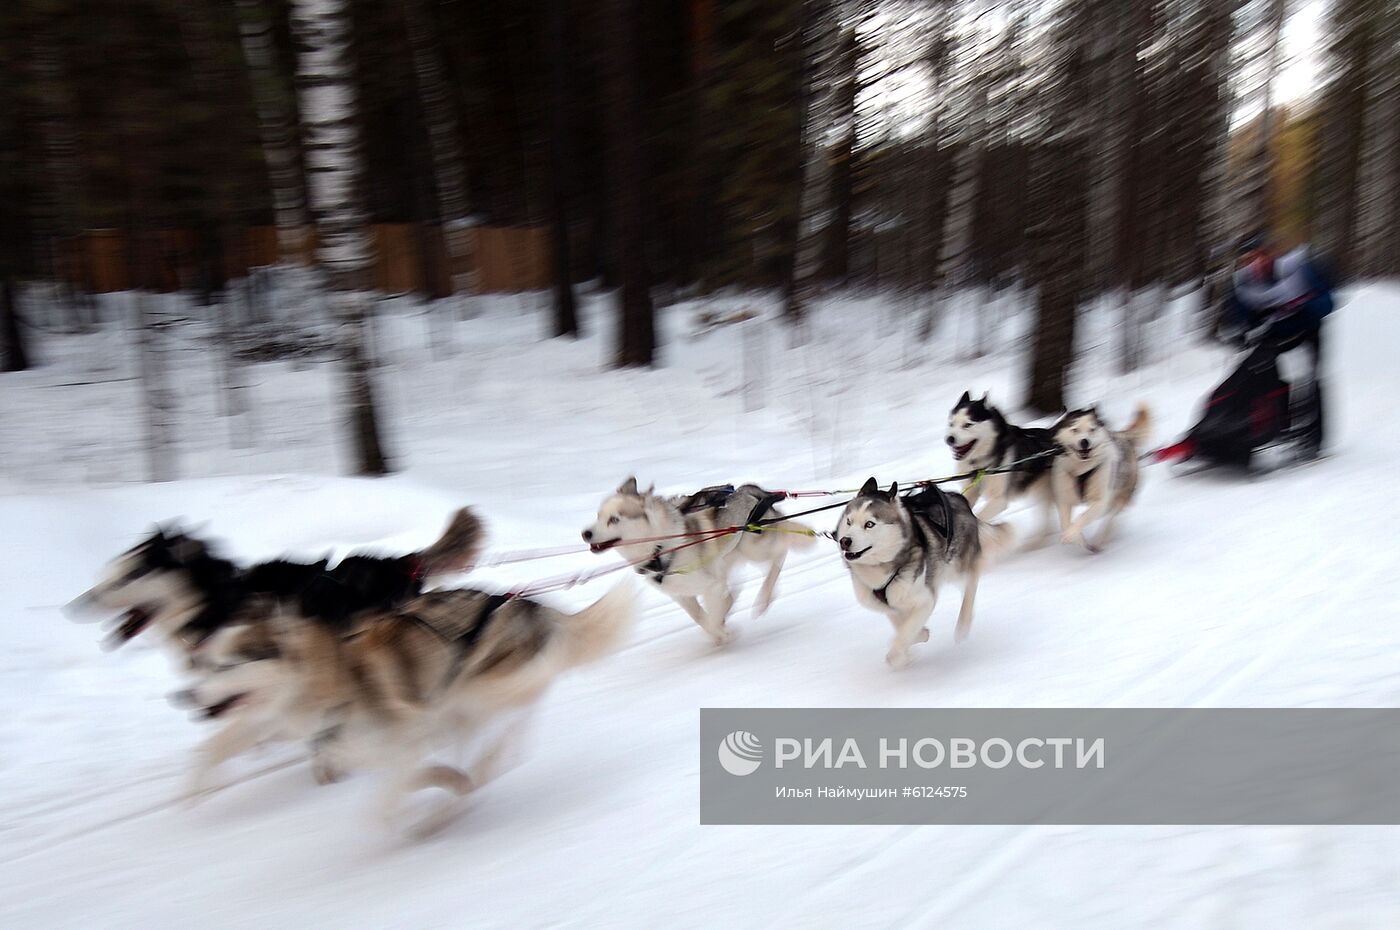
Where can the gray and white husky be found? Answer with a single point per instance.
(900, 550)
(432, 674)
(980, 437)
(1099, 468)
(639, 524)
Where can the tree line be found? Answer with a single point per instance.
(1080, 149)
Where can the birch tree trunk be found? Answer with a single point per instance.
(444, 140)
(271, 99)
(329, 113)
(819, 40)
(1376, 193)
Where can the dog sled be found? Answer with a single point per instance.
(1252, 418)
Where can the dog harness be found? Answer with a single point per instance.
(1083, 481)
(463, 642)
(921, 540)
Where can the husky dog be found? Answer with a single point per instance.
(1099, 468)
(173, 585)
(430, 674)
(176, 587)
(899, 550)
(640, 524)
(980, 437)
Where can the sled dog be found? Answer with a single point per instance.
(900, 550)
(980, 437)
(428, 675)
(641, 523)
(176, 587)
(1099, 468)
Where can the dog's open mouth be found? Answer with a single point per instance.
(1084, 454)
(215, 711)
(596, 547)
(128, 627)
(852, 556)
(960, 452)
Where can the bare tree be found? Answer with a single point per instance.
(626, 181)
(566, 321)
(1256, 182)
(329, 113)
(444, 134)
(274, 110)
(819, 42)
(1215, 21)
(1376, 193)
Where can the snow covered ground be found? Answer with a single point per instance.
(1218, 592)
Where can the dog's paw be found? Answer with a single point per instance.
(1072, 537)
(923, 636)
(898, 659)
(325, 773)
(724, 636)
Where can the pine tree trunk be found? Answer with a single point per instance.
(1057, 237)
(13, 356)
(837, 260)
(275, 130)
(1257, 184)
(444, 138)
(1213, 230)
(329, 111)
(566, 321)
(637, 334)
(818, 39)
(955, 257)
(1376, 240)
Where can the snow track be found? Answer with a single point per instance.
(1216, 593)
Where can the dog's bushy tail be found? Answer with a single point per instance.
(1139, 431)
(997, 540)
(597, 630)
(456, 551)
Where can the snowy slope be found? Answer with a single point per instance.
(1216, 593)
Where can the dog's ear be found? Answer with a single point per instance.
(651, 490)
(894, 490)
(870, 488)
(985, 395)
(963, 401)
(628, 487)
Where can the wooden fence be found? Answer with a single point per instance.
(407, 257)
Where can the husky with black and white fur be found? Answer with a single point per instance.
(900, 550)
(980, 437)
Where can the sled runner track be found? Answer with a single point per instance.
(155, 808)
(1015, 842)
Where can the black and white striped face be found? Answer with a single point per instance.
(872, 528)
(971, 429)
(1082, 434)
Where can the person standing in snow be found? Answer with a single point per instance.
(1282, 299)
